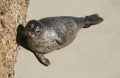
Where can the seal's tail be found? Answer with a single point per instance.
(92, 20)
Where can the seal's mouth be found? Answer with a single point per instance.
(32, 34)
(29, 33)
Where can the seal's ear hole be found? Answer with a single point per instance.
(38, 31)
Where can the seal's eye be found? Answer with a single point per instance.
(31, 26)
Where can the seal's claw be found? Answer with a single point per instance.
(45, 62)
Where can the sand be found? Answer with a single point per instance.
(95, 53)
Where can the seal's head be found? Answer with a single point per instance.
(33, 28)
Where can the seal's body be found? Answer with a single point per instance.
(53, 33)
(57, 32)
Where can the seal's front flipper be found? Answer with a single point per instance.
(42, 59)
(92, 20)
(60, 39)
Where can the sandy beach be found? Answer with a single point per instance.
(95, 53)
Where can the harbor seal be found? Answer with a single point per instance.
(53, 33)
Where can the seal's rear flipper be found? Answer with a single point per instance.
(92, 20)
